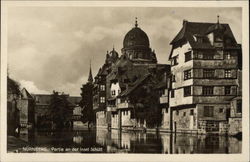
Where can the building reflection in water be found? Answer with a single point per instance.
(77, 139)
(116, 141)
(166, 143)
(189, 144)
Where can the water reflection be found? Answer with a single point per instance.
(114, 141)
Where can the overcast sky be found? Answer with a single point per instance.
(49, 48)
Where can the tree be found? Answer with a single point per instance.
(87, 103)
(60, 110)
(146, 100)
(13, 87)
(13, 91)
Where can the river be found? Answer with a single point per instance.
(114, 141)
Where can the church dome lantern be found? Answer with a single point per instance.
(136, 38)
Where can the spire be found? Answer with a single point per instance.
(218, 19)
(136, 24)
(90, 79)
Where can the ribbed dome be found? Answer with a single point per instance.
(136, 38)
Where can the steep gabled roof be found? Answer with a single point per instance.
(160, 85)
(191, 29)
(134, 85)
(199, 28)
(25, 94)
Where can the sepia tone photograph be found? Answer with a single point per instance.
(124, 80)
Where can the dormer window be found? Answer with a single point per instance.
(198, 38)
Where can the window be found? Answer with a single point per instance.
(173, 78)
(207, 90)
(191, 112)
(174, 61)
(208, 111)
(172, 93)
(227, 90)
(187, 74)
(227, 56)
(102, 87)
(102, 99)
(184, 113)
(228, 73)
(221, 110)
(239, 106)
(198, 54)
(188, 56)
(208, 73)
(208, 56)
(177, 112)
(187, 91)
(113, 92)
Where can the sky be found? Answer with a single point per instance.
(49, 48)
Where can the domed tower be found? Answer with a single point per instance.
(136, 46)
(112, 56)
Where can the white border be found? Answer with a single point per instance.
(244, 156)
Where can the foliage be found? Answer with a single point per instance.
(87, 103)
(13, 89)
(13, 86)
(60, 110)
(146, 100)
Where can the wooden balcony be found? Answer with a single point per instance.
(111, 108)
(124, 105)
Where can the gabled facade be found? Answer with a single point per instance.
(205, 59)
(26, 106)
(100, 90)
